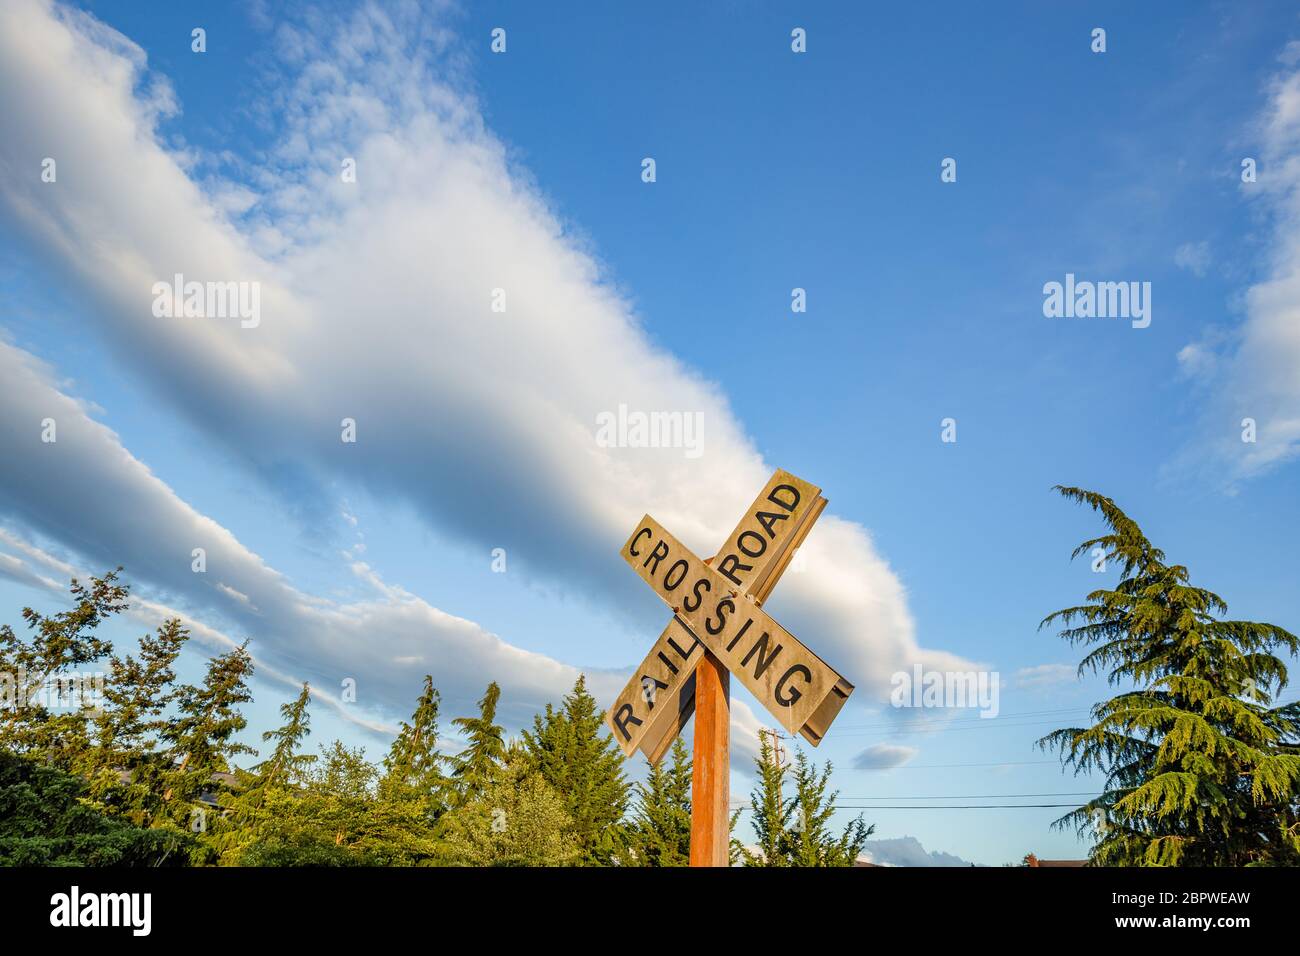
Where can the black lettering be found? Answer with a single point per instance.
(685, 566)
(623, 718)
(729, 565)
(667, 663)
(727, 603)
(656, 556)
(763, 662)
(794, 695)
(631, 548)
(702, 583)
(794, 494)
(739, 634)
(762, 544)
(769, 518)
(684, 654)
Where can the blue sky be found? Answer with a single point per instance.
(775, 170)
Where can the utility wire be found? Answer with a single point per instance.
(980, 796)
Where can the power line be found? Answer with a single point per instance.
(935, 766)
(982, 725)
(980, 796)
(971, 806)
(966, 720)
(967, 806)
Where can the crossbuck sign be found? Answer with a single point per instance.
(717, 610)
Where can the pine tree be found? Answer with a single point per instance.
(810, 841)
(660, 834)
(202, 738)
(136, 694)
(1201, 769)
(517, 820)
(46, 820)
(252, 808)
(125, 768)
(478, 764)
(574, 753)
(771, 810)
(59, 644)
(413, 769)
(285, 763)
(794, 831)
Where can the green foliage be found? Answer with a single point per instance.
(57, 645)
(794, 831)
(574, 753)
(413, 769)
(285, 763)
(517, 820)
(202, 737)
(45, 821)
(333, 815)
(810, 841)
(476, 767)
(1201, 768)
(660, 832)
(124, 767)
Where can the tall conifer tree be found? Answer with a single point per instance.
(1201, 768)
(660, 834)
(479, 763)
(574, 752)
(413, 768)
(202, 738)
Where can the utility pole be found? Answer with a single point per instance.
(778, 752)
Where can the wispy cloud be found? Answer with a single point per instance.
(375, 303)
(884, 757)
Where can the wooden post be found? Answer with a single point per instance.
(711, 771)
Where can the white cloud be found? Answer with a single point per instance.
(87, 492)
(884, 757)
(375, 306)
(1194, 257)
(1045, 675)
(907, 851)
(1257, 375)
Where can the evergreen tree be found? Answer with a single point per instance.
(125, 770)
(285, 763)
(413, 769)
(1201, 769)
(574, 753)
(202, 738)
(478, 764)
(335, 817)
(58, 644)
(810, 842)
(794, 831)
(771, 810)
(136, 694)
(45, 820)
(517, 820)
(660, 834)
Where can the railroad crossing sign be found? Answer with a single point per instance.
(719, 628)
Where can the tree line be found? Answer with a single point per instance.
(151, 774)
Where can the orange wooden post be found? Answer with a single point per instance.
(711, 771)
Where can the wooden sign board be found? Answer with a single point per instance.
(795, 685)
(660, 698)
(670, 722)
